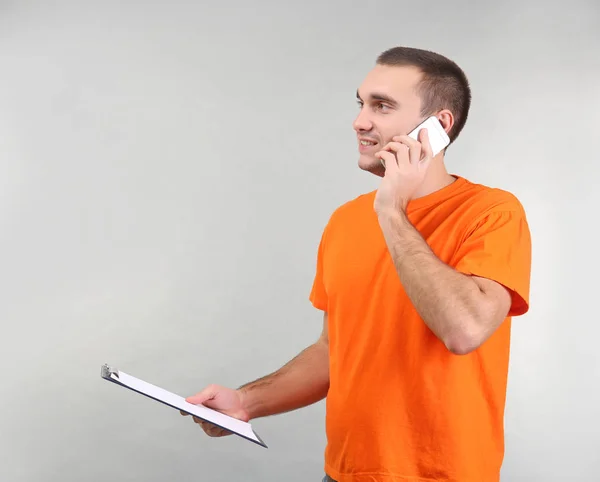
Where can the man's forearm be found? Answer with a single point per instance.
(447, 301)
(301, 382)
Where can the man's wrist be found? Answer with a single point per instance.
(244, 400)
(388, 215)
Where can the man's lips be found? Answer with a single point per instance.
(366, 144)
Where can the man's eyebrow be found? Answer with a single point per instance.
(376, 96)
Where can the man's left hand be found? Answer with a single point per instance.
(406, 163)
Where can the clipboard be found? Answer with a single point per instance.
(237, 427)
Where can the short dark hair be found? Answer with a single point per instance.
(444, 84)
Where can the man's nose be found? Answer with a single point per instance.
(362, 122)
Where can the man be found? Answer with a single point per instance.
(418, 282)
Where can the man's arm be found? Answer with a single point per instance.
(302, 381)
(461, 310)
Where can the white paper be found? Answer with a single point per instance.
(225, 421)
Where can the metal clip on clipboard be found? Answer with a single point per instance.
(107, 371)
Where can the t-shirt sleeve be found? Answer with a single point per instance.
(318, 293)
(498, 247)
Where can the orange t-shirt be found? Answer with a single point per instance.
(401, 407)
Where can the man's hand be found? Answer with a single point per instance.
(406, 162)
(222, 399)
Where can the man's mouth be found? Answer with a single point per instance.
(367, 143)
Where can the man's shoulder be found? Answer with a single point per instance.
(486, 198)
(361, 204)
(355, 213)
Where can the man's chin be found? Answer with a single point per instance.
(370, 164)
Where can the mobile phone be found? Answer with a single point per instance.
(437, 135)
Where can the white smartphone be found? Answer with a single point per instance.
(437, 135)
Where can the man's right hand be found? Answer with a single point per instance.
(222, 399)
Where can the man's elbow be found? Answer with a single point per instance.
(461, 345)
(474, 329)
(463, 341)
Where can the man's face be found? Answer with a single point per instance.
(389, 106)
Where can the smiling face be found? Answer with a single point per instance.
(389, 106)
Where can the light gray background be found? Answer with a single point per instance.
(166, 170)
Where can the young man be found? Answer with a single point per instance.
(418, 282)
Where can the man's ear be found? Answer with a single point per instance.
(446, 119)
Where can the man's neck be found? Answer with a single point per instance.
(437, 178)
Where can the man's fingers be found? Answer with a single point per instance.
(425, 144)
(420, 150)
(408, 147)
(389, 159)
(204, 424)
(406, 139)
(211, 429)
(215, 431)
(207, 394)
(400, 148)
